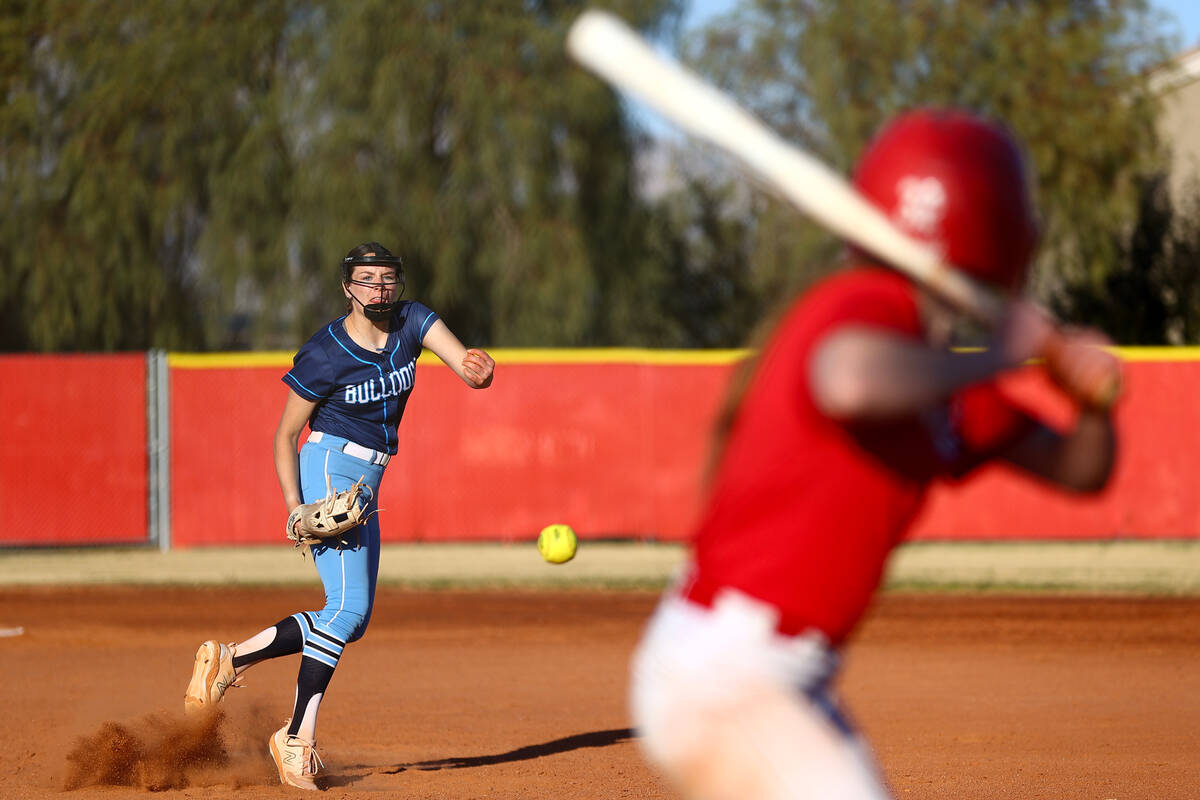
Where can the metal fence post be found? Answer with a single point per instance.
(158, 449)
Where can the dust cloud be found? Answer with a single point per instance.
(170, 751)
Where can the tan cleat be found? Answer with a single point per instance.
(296, 759)
(211, 676)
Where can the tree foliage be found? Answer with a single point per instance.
(183, 174)
(188, 175)
(1070, 77)
(122, 120)
(462, 133)
(1152, 295)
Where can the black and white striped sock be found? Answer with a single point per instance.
(288, 639)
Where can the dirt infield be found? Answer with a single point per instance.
(520, 694)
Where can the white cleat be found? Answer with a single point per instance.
(212, 674)
(296, 759)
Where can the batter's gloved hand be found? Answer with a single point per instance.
(1079, 363)
(1075, 358)
(330, 517)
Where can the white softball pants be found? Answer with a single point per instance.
(729, 709)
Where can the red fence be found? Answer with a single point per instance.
(610, 446)
(73, 449)
(1151, 496)
(611, 442)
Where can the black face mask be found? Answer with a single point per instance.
(376, 312)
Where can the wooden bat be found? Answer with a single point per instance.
(609, 48)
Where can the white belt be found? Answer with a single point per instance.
(356, 450)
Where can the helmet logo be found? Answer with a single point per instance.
(922, 204)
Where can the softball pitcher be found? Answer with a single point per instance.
(854, 405)
(349, 384)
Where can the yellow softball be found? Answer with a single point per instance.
(557, 543)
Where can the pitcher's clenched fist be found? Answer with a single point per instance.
(478, 367)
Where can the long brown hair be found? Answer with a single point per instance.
(743, 376)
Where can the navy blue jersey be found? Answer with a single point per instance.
(361, 394)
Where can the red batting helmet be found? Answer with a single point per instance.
(957, 181)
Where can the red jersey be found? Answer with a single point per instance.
(803, 509)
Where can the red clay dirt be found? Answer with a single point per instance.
(522, 695)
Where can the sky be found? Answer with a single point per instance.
(1182, 18)
(1186, 12)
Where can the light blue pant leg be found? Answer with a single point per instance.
(349, 572)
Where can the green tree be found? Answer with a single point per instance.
(1152, 296)
(460, 136)
(123, 119)
(187, 175)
